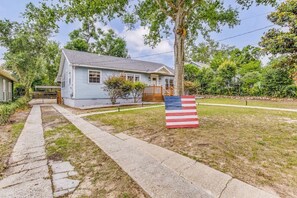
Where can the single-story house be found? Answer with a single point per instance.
(82, 74)
(6, 86)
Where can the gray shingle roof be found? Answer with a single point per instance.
(110, 62)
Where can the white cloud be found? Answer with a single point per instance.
(136, 46)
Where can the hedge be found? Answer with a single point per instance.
(7, 109)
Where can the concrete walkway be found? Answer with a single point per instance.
(163, 173)
(248, 107)
(28, 173)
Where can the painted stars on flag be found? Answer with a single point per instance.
(181, 112)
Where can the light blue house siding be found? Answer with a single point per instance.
(6, 86)
(66, 86)
(86, 90)
(78, 92)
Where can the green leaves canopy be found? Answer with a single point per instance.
(277, 41)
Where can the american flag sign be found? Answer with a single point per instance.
(181, 112)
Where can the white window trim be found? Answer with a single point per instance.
(131, 74)
(95, 71)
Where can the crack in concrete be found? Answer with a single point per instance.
(225, 187)
(21, 162)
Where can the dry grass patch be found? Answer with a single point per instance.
(255, 146)
(9, 134)
(100, 176)
(102, 109)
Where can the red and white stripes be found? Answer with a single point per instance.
(186, 117)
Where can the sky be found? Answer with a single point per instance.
(251, 19)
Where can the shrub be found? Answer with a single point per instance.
(191, 88)
(290, 91)
(137, 90)
(117, 87)
(6, 110)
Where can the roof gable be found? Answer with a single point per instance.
(164, 70)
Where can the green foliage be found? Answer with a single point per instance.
(19, 90)
(234, 71)
(6, 110)
(137, 90)
(278, 41)
(250, 83)
(191, 72)
(249, 67)
(290, 91)
(275, 81)
(97, 41)
(191, 88)
(117, 87)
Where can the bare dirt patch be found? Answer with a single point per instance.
(100, 175)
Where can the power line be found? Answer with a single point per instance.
(153, 54)
(245, 33)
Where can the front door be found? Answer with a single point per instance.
(154, 80)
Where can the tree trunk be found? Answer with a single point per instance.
(179, 50)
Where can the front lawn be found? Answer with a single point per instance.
(277, 103)
(256, 146)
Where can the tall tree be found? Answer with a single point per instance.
(26, 42)
(189, 19)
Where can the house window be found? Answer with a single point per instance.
(63, 81)
(130, 77)
(136, 78)
(133, 77)
(94, 76)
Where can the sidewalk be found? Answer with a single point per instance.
(163, 173)
(28, 173)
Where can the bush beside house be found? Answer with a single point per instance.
(119, 87)
(7, 109)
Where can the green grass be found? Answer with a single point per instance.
(256, 146)
(263, 103)
(65, 142)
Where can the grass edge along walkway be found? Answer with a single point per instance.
(164, 173)
(248, 107)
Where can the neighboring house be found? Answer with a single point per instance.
(6, 86)
(82, 75)
(200, 65)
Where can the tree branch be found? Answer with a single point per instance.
(172, 5)
(192, 7)
(163, 9)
